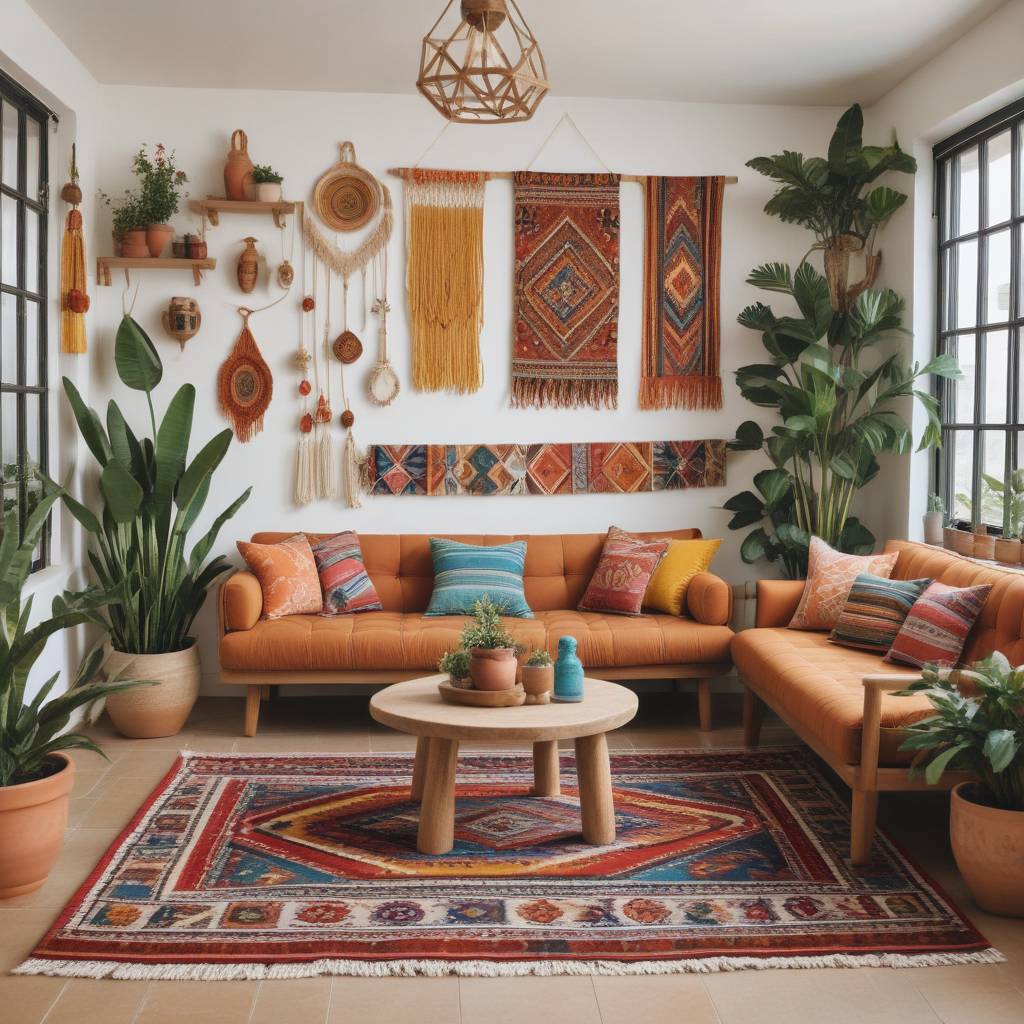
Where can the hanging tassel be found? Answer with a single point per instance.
(305, 482)
(350, 462)
(74, 302)
(326, 473)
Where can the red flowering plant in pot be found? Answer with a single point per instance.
(492, 649)
(978, 726)
(161, 183)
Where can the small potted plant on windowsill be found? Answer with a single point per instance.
(492, 649)
(538, 677)
(268, 183)
(1011, 496)
(456, 664)
(933, 520)
(978, 725)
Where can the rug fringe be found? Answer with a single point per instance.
(486, 968)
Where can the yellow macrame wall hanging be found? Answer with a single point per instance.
(74, 301)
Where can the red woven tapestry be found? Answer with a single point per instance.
(567, 290)
(682, 253)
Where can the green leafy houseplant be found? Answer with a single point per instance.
(32, 731)
(161, 184)
(539, 659)
(485, 630)
(127, 212)
(831, 372)
(455, 663)
(152, 496)
(265, 174)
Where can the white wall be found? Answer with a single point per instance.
(39, 61)
(976, 76)
(299, 134)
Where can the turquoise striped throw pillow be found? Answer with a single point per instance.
(463, 573)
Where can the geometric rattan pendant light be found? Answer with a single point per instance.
(486, 68)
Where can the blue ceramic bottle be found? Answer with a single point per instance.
(568, 672)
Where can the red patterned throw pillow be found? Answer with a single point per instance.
(344, 580)
(621, 577)
(937, 627)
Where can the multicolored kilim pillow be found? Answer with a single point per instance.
(344, 581)
(463, 573)
(287, 575)
(830, 574)
(621, 577)
(937, 627)
(875, 610)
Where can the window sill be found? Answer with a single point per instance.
(53, 576)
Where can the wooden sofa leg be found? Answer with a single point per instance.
(753, 716)
(252, 708)
(862, 828)
(704, 704)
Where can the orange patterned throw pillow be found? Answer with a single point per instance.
(830, 576)
(621, 577)
(287, 575)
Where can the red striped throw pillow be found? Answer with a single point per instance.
(936, 628)
(344, 581)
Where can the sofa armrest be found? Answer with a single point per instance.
(871, 725)
(241, 602)
(709, 599)
(777, 601)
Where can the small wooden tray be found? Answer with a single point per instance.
(482, 698)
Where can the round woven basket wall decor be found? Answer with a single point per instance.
(347, 347)
(347, 197)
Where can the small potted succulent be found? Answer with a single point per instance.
(268, 183)
(978, 725)
(456, 664)
(1011, 495)
(933, 520)
(161, 183)
(538, 677)
(492, 649)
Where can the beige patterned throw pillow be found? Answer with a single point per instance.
(830, 575)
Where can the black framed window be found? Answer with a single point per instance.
(978, 176)
(23, 330)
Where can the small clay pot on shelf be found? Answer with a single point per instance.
(133, 244)
(158, 237)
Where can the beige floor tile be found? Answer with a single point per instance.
(86, 781)
(304, 1001)
(151, 763)
(300, 743)
(971, 995)
(198, 1002)
(117, 799)
(21, 928)
(395, 1001)
(654, 999)
(98, 1001)
(27, 1000)
(79, 809)
(529, 1000)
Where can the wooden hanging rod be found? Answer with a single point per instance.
(405, 172)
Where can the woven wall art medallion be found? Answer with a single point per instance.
(347, 197)
(245, 386)
(347, 347)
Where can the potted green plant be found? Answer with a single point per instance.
(268, 183)
(1010, 494)
(128, 223)
(833, 370)
(538, 677)
(492, 649)
(456, 664)
(161, 184)
(933, 520)
(36, 775)
(978, 726)
(151, 495)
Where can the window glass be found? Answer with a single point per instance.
(965, 208)
(997, 368)
(999, 190)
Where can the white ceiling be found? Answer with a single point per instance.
(730, 51)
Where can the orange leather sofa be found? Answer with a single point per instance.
(400, 642)
(840, 701)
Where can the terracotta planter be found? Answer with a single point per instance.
(133, 244)
(268, 191)
(158, 237)
(933, 527)
(118, 237)
(33, 817)
(493, 669)
(984, 546)
(538, 682)
(963, 542)
(1007, 551)
(988, 844)
(146, 712)
(949, 537)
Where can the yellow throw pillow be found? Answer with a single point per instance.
(666, 591)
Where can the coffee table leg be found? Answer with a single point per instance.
(419, 767)
(437, 809)
(595, 778)
(545, 768)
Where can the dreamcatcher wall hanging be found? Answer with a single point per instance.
(245, 385)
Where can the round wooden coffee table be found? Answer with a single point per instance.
(416, 707)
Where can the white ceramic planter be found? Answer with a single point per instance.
(933, 527)
(268, 191)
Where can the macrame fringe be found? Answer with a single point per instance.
(324, 472)
(72, 278)
(305, 481)
(246, 418)
(529, 393)
(689, 392)
(487, 968)
(351, 471)
(347, 263)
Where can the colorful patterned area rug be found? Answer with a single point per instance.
(599, 467)
(279, 866)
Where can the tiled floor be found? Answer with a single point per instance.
(107, 794)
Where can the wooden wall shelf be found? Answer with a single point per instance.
(105, 264)
(211, 208)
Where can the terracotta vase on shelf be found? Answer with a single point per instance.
(133, 244)
(238, 183)
(158, 237)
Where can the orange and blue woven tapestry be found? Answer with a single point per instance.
(682, 254)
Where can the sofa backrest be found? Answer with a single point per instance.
(1001, 624)
(558, 566)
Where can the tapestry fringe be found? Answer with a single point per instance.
(693, 391)
(488, 968)
(528, 392)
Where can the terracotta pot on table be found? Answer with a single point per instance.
(493, 669)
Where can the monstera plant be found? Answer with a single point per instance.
(152, 496)
(833, 372)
